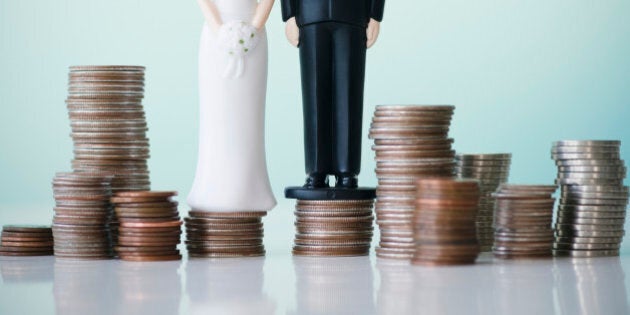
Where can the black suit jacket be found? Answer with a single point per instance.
(357, 12)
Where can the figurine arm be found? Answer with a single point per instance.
(211, 14)
(289, 8)
(372, 31)
(263, 9)
(376, 10)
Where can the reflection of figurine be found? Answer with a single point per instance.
(332, 36)
(231, 167)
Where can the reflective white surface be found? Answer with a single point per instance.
(282, 284)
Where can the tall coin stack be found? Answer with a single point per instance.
(82, 215)
(410, 142)
(109, 126)
(224, 234)
(108, 123)
(592, 208)
(444, 222)
(150, 226)
(490, 170)
(333, 227)
(522, 218)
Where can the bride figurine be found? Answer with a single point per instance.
(231, 171)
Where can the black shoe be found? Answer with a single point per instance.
(316, 181)
(347, 181)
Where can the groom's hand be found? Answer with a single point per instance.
(292, 32)
(372, 32)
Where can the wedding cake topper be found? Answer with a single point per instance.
(332, 37)
(231, 167)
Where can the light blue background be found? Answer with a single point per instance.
(522, 74)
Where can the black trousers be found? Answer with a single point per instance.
(332, 58)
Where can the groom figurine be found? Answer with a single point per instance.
(332, 36)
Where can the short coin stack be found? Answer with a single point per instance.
(225, 234)
(444, 222)
(150, 226)
(522, 217)
(19, 240)
(108, 123)
(333, 227)
(592, 209)
(410, 142)
(82, 216)
(490, 170)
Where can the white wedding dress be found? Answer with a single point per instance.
(231, 167)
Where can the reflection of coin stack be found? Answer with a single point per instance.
(17, 240)
(410, 142)
(592, 208)
(224, 234)
(333, 227)
(85, 287)
(109, 126)
(490, 170)
(444, 222)
(590, 286)
(228, 286)
(147, 288)
(522, 219)
(82, 212)
(150, 226)
(333, 286)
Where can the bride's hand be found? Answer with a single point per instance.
(292, 31)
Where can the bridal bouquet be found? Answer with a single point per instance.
(237, 39)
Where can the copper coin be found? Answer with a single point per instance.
(26, 229)
(165, 224)
(24, 254)
(26, 244)
(224, 255)
(243, 214)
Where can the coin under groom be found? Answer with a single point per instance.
(332, 37)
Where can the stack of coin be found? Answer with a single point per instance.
(592, 208)
(150, 226)
(108, 123)
(224, 234)
(23, 240)
(490, 170)
(82, 216)
(522, 219)
(333, 227)
(444, 222)
(410, 142)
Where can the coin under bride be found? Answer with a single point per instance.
(231, 182)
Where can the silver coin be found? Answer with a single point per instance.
(603, 221)
(585, 253)
(595, 195)
(589, 227)
(590, 163)
(589, 240)
(595, 189)
(485, 156)
(588, 182)
(590, 208)
(582, 246)
(592, 169)
(594, 202)
(586, 156)
(599, 175)
(577, 233)
(587, 143)
(481, 163)
(585, 150)
(592, 215)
